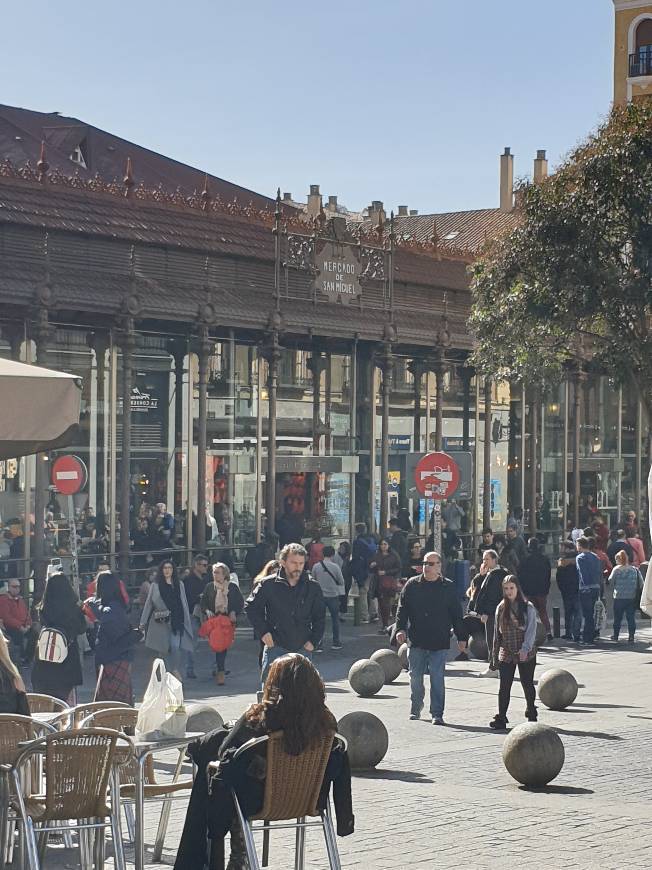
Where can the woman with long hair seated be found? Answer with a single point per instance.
(293, 702)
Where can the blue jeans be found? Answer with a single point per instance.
(172, 658)
(424, 661)
(190, 653)
(572, 616)
(624, 607)
(333, 607)
(587, 603)
(270, 655)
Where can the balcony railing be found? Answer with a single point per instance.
(640, 64)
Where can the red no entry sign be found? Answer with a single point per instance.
(437, 475)
(68, 474)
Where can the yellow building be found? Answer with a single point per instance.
(632, 51)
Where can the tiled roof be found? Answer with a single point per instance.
(460, 230)
(105, 155)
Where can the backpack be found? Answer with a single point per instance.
(52, 646)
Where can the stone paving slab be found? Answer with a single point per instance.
(442, 796)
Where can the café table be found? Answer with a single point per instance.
(144, 746)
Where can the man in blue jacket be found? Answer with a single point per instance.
(589, 573)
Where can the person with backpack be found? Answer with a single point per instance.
(57, 668)
(329, 576)
(221, 602)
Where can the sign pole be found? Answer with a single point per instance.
(74, 567)
(436, 528)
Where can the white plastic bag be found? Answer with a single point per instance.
(162, 709)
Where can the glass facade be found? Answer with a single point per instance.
(328, 446)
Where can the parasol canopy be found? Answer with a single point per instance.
(39, 409)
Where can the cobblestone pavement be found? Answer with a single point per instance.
(442, 797)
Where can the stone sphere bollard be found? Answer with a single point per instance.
(478, 647)
(367, 738)
(403, 656)
(533, 754)
(557, 689)
(203, 718)
(389, 662)
(540, 637)
(366, 677)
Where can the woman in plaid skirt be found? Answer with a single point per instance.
(115, 641)
(513, 647)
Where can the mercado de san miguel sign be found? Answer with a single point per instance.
(337, 272)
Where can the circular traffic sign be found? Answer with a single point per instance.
(437, 475)
(69, 474)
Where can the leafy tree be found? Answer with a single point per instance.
(572, 282)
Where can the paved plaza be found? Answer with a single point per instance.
(441, 798)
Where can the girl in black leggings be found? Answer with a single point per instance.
(514, 634)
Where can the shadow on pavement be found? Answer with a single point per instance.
(402, 775)
(599, 735)
(556, 789)
(480, 729)
(589, 705)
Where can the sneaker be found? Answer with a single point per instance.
(319, 649)
(438, 720)
(374, 618)
(336, 646)
(614, 637)
(489, 673)
(414, 715)
(567, 636)
(462, 657)
(549, 637)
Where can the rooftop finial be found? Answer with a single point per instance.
(128, 180)
(206, 195)
(42, 164)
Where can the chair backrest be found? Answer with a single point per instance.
(15, 729)
(45, 703)
(82, 711)
(122, 719)
(293, 782)
(77, 769)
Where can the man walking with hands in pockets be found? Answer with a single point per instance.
(427, 611)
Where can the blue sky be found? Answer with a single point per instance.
(409, 102)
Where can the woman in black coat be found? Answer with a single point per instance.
(293, 702)
(60, 608)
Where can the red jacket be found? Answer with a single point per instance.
(14, 613)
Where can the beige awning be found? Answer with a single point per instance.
(39, 409)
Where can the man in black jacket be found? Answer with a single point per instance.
(489, 597)
(287, 609)
(428, 608)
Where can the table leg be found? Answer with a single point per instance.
(165, 812)
(139, 812)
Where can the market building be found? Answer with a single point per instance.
(282, 360)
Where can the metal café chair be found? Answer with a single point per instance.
(14, 730)
(124, 719)
(78, 767)
(292, 787)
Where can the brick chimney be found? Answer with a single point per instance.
(507, 181)
(313, 206)
(376, 210)
(287, 197)
(402, 211)
(414, 211)
(332, 204)
(540, 167)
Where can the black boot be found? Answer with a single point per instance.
(498, 723)
(238, 858)
(531, 714)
